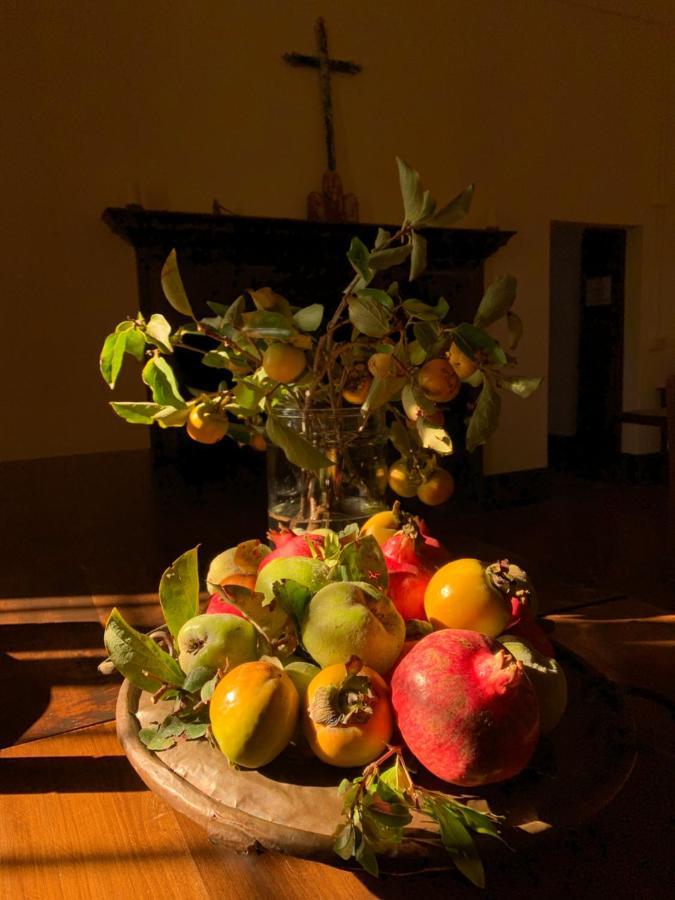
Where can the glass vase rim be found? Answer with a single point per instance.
(324, 411)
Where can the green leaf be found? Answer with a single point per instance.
(365, 857)
(208, 688)
(418, 262)
(433, 437)
(139, 659)
(293, 598)
(363, 561)
(197, 678)
(179, 591)
(485, 417)
(172, 285)
(267, 325)
(382, 297)
(459, 844)
(270, 618)
(234, 314)
(497, 301)
(425, 312)
(428, 336)
(155, 739)
(138, 413)
(392, 256)
(359, 256)
(399, 435)
(472, 340)
(158, 331)
(417, 353)
(455, 210)
(248, 395)
(298, 450)
(428, 208)
(411, 190)
(369, 316)
(112, 354)
(381, 238)
(477, 821)
(515, 325)
(381, 391)
(218, 308)
(397, 777)
(309, 317)
(168, 417)
(160, 378)
(390, 792)
(519, 385)
(497, 356)
(218, 359)
(195, 730)
(135, 344)
(267, 299)
(345, 842)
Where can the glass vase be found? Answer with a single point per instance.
(350, 490)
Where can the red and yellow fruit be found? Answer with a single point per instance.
(383, 525)
(347, 718)
(465, 708)
(412, 556)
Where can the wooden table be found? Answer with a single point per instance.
(76, 822)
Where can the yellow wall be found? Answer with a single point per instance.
(557, 110)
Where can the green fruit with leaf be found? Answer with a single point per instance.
(216, 640)
(353, 619)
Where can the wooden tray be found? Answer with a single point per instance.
(292, 804)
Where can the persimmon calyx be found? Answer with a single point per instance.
(350, 702)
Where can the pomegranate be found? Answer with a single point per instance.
(466, 708)
(286, 543)
(412, 556)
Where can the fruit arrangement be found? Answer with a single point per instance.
(369, 648)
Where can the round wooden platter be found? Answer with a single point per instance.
(292, 805)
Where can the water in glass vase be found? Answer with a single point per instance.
(350, 490)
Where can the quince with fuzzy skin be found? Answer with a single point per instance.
(214, 640)
(352, 618)
(307, 571)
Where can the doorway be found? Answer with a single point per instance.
(587, 274)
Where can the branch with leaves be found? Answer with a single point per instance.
(383, 349)
(380, 804)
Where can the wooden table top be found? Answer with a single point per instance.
(76, 821)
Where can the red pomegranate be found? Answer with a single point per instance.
(412, 556)
(286, 543)
(466, 708)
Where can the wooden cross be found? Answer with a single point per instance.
(330, 204)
